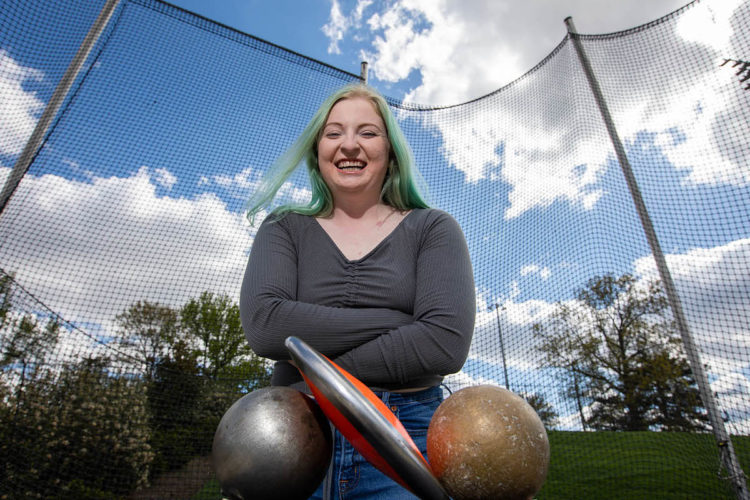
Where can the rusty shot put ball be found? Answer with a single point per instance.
(272, 443)
(486, 442)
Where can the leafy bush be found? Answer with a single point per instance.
(80, 434)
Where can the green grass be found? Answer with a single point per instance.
(637, 465)
(210, 491)
(624, 465)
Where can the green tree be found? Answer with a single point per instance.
(175, 397)
(208, 367)
(149, 332)
(543, 408)
(619, 345)
(6, 282)
(25, 343)
(230, 367)
(214, 322)
(25, 338)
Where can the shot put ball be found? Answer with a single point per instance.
(486, 442)
(272, 443)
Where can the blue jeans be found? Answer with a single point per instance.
(350, 476)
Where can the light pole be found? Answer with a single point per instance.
(502, 345)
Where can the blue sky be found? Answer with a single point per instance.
(172, 128)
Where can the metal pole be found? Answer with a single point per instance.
(726, 449)
(502, 346)
(58, 97)
(363, 72)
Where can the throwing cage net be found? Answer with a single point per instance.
(123, 247)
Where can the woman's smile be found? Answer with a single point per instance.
(350, 165)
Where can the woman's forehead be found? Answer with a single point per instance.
(356, 107)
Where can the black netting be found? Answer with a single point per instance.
(123, 248)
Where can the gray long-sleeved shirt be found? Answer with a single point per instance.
(400, 317)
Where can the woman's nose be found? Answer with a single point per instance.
(350, 143)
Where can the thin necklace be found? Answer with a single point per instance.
(380, 223)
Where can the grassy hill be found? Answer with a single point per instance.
(626, 465)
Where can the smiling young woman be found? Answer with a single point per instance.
(361, 274)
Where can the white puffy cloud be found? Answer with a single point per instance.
(708, 24)
(697, 120)
(164, 178)
(339, 24)
(514, 320)
(245, 180)
(536, 137)
(527, 142)
(90, 249)
(543, 272)
(467, 49)
(243, 183)
(714, 288)
(463, 379)
(711, 149)
(336, 28)
(19, 108)
(731, 390)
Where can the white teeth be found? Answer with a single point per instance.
(350, 164)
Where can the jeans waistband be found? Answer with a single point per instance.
(407, 397)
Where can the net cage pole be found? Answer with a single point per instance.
(723, 441)
(363, 72)
(32, 146)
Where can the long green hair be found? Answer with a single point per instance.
(403, 186)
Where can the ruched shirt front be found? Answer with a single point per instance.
(400, 317)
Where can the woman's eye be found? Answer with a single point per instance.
(333, 135)
(369, 133)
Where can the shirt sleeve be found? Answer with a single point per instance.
(270, 312)
(437, 341)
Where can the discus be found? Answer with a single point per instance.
(365, 421)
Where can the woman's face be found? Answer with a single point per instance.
(353, 150)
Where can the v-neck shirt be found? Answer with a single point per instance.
(401, 316)
(376, 227)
